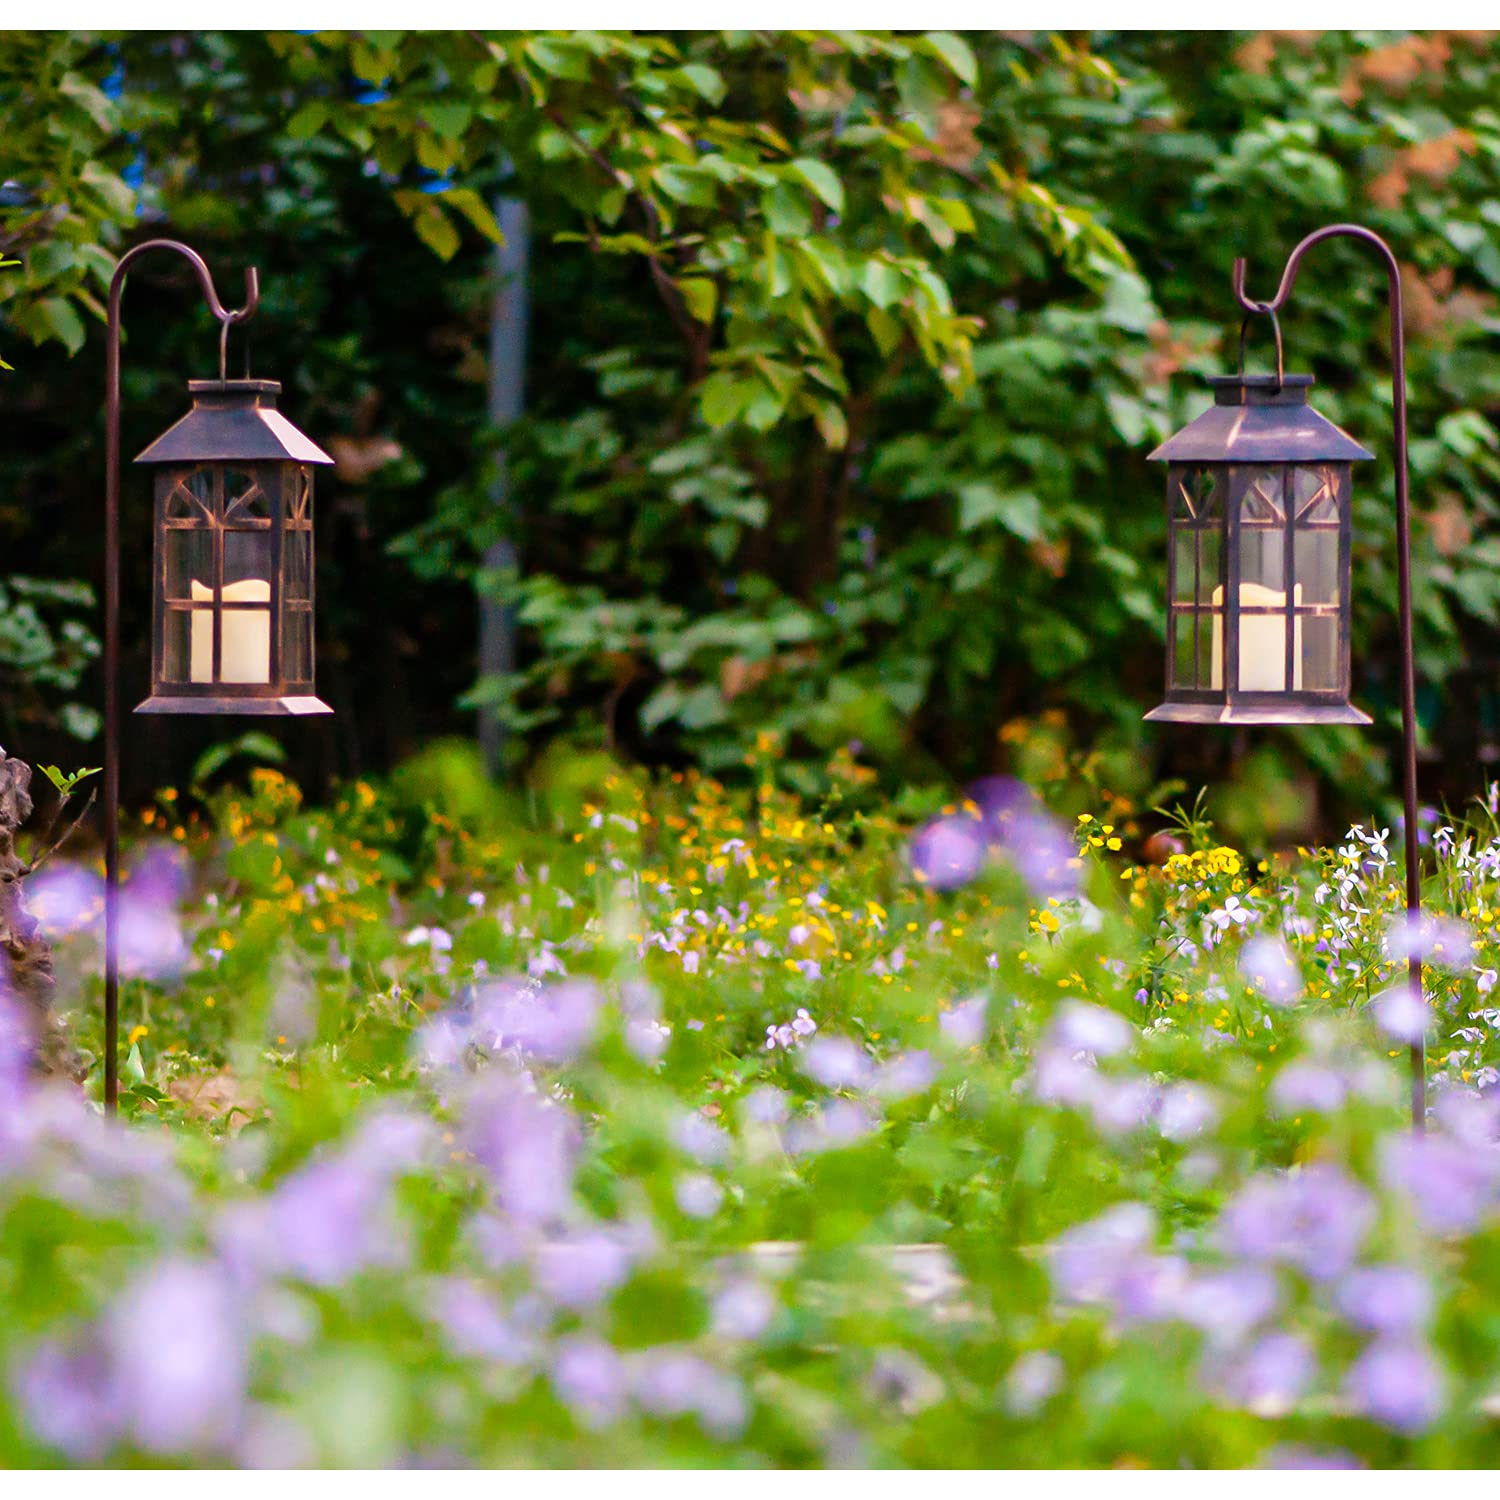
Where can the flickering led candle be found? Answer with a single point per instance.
(245, 650)
(1262, 641)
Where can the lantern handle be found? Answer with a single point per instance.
(226, 317)
(1373, 241)
(1276, 329)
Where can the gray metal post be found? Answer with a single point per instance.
(507, 392)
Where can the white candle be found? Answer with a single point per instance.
(245, 652)
(1262, 641)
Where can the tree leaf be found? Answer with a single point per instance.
(822, 179)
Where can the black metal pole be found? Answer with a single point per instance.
(1417, 1056)
(112, 618)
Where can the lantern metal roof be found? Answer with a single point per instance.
(1260, 419)
(233, 420)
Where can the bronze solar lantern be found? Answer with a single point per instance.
(1258, 559)
(233, 578)
(1258, 527)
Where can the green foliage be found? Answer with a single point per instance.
(66, 782)
(848, 346)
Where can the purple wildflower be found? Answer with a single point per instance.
(963, 1026)
(1089, 1028)
(742, 1310)
(905, 1075)
(474, 1325)
(836, 1062)
(1186, 1110)
(584, 1268)
(1397, 1384)
(1450, 1185)
(698, 1195)
(1386, 1299)
(180, 1358)
(1032, 1382)
(1401, 1012)
(1265, 962)
(948, 852)
(1269, 1378)
(1315, 1220)
(526, 1144)
(550, 1022)
(67, 1397)
(590, 1378)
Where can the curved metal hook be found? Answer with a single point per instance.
(1294, 261)
(225, 315)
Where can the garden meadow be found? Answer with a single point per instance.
(724, 1127)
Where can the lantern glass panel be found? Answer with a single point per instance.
(177, 643)
(297, 645)
(247, 558)
(296, 553)
(1321, 658)
(189, 558)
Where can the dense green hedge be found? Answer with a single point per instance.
(847, 350)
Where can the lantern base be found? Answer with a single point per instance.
(231, 704)
(1291, 712)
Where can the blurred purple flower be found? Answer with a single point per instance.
(1401, 1013)
(1088, 1261)
(65, 898)
(836, 1062)
(1119, 1106)
(1315, 1219)
(1298, 1456)
(526, 1144)
(1397, 1384)
(1308, 1086)
(551, 1022)
(322, 1224)
(1060, 1078)
(67, 1397)
(180, 1357)
(474, 1325)
(1435, 940)
(674, 1383)
(904, 1075)
(1450, 1185)
(590, 1378)
(646, 1038)
(963, 1026)
(1186, 1110)
(151, 942)
(1385, 1299)
(839, 1122)
(1032, 1382)
(700, 1138)
(698, 1195)
(1078, 1027)
(1001, 800)
(1227, 1305)
(1270, 1378)
(1265, 961)
(442, 1041)
(765, 1105)
(1046, 855)
(585, 1267)
(17, 1046)
(742, 1309)
(948, 852)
